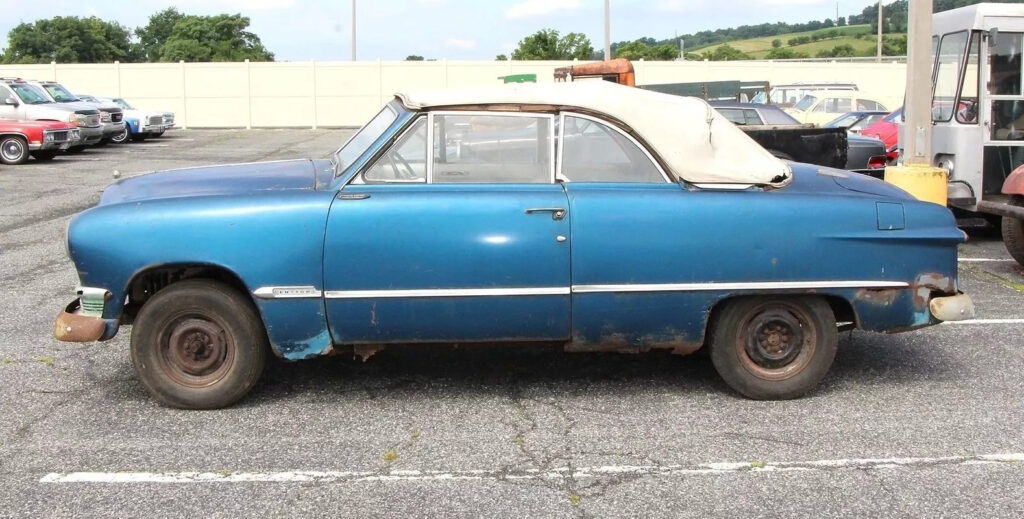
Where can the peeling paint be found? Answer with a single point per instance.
(315, 346)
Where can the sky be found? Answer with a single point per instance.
(301, 30)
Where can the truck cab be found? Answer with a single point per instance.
(978, 112)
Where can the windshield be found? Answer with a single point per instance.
(123, 104)
(30, 94)
(362, 140)
(806, 103)
(60, 94)
(760, 98)
(894, 117)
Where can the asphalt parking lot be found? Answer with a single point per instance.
(927, 423)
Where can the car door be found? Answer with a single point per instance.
(9, 111)
(457, 233)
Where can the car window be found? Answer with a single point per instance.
(506, 148)
(866, 121)
(60, 94)
(806, 102)
(595, 152)
(845, 121)
(777, 116)
(740, 116)
(30, 94)
(362, 140)
(406, 161)
(947, 74)
(823, 105)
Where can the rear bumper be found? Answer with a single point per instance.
(952, 308)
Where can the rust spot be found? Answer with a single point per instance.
(928, 282)
(618, 343)
(775, 261)
(876, 296)
(74, 327)
(365, 351)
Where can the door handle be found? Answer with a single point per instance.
(557, 213)
(353, 196)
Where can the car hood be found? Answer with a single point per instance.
(232, 179)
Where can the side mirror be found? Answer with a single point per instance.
(10, 101)
(993, 36)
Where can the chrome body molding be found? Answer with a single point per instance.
(448, 292)
(592, 289)
(766, 285)
(287, 292)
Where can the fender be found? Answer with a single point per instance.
(1014, 184)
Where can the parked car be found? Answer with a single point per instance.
(24, 102)
(786, 95)
(40, 139)
(683, 232)
(786, 138)
(856, 121)
(821, 106)
(888, 130)
(139, 124)
(111, 115)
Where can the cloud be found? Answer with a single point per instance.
(456, 43)
(529, 8)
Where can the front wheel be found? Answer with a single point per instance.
(198, 344)
(1013, 232)
(13, 150)
(122, 137)
(774, 347)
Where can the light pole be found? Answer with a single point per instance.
(607, 30)
(353, 30)
(880, 23)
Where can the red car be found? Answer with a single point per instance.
(41, 139)
(888, 130)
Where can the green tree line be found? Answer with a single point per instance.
(168, 36)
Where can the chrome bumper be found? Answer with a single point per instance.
(82, 320)
(952, 308)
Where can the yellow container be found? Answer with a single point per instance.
(926, 183)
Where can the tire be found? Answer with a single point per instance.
(122, 137)
(771, 369)
(13, 150)
(44, 155)
(1013, 232)
(198, 344)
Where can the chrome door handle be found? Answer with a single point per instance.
(353, 196)
(557, 213)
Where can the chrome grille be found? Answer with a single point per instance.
(155, 120)
(105, 117)
(91, 306)
(116, 116)
(61, 136)
(91, 120)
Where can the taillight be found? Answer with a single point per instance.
(877, 162)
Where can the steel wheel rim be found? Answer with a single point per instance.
(12, 150)
(121, 137)
(196, 350)
(778, 341)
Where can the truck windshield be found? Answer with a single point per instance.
(362, 140)
(61, 94)
(123, 104)
(29, 94)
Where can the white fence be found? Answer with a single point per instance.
(337, 93)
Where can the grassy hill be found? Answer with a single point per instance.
(759, 47)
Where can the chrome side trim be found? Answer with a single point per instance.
(767, 285)
(447, 292)
(287, 292)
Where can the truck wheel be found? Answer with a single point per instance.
(198, 344)
(773, 347)
(1013, 232)
(122, 137)
(13, 150)
(44, 155)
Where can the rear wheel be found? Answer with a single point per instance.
(44, 155)
(773, 347)
(198, 344)
(13, 149)
(1013, 232)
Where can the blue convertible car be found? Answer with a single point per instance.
(596, 216)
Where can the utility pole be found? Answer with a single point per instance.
(607, 30)
(880, 24)
(353, 30)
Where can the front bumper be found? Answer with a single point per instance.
(82, 320)
(49, 142)
(112, 129)
(89, 135)
(952, 308)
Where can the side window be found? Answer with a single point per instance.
(867, 104)
(843, 105)
(824, 105)
(967, 107)
(733, 115)
(947, 73)
(750, 117)
(511, 149)
(406, 161)
(594, 152)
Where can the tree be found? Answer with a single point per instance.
(155, 34)
(221, 37)
(413, 57)
(69, 39)
(776, 43)
(546, 44)
(639, 49)
(725, 52)
(501, 57)
(784, 53)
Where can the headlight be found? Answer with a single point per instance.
(47, 137)
(74, 119)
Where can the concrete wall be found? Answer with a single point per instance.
(342, 93)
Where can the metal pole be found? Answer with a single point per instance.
(607, 30)
(880, 24)
(917, 131)
(353, 30)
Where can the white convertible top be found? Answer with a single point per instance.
(695, 142)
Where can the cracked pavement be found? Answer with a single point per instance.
(950, 390)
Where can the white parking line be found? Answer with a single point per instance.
(983, 260)
(986, 321)
(302, 476)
